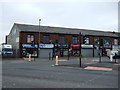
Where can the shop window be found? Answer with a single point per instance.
(46, 39)
(115, 42)
(30, 38)
(106, 41)
(74, 40)
(61, 40)
(96, 40)
(85, 40)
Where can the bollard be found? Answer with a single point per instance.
(111, 57)
(115, 57)
(29, 59)
(49, 55)
(100, 57)
(56, 63)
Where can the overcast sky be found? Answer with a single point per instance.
(101, 15)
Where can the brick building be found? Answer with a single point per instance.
(42, 41)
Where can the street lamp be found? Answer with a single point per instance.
(33, 44)
(68, 47)
(39, 37)
(100, 49)
(80, 48)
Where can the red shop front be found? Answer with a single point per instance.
(74, 50)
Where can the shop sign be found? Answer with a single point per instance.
(116, 46)
(75, 46)
(87, 46)
(17, 39)
(61, 45)
(107, 46)
(28, 46)
(46, 45)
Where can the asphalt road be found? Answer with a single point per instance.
(41, 74)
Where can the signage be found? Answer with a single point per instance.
(28, 46)
(117, 47)
(77, 46)
(17, 39)
(107, 46)
(87, 46)
(61, 45)
(46, 45)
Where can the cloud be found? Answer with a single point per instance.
(89, 15)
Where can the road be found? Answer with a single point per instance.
(42, 74)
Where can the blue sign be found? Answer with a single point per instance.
(46, 45)
(29, 46)
(61, 45)
(107, 46)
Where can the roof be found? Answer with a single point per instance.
(62, 30)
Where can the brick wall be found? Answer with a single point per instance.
(54, 37)
(23, 37)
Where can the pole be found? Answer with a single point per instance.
(93, 50)
(53, 53)
(115, 57)
(39, 37)
(34, 55)
(80, 49)
(100, 49)
(100, 57)
(49, 55)
(68, 51)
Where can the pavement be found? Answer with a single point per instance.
(91, 63)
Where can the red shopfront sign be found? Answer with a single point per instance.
(75, 46)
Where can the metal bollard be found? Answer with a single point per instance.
(29, 59)
(111, 57)
(115, 57)
(49, 55)
(56, 63)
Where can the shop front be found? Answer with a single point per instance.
(74, 50)
(46, 50)
(28, 49)
(61, 50)
(86, 50)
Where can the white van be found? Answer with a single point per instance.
(111, 52)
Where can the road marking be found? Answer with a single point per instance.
(62, 60)
(95, 60)
(90, 63)
(98, 68)
(116, 64)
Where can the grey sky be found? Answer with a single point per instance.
(76, 14)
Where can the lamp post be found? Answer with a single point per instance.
(39, 37)
(80, 48)
(100, 49)
(68, 49)
(33, 44)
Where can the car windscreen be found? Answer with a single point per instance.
(6, 49)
